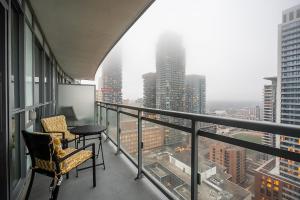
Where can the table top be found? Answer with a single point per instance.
(88, 130)
(76, 123)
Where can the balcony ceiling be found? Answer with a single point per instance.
(81, 33)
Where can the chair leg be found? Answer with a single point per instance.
(56, 185)
(51, 187)
(30, 185)
(99, 146)
(76, 142)
(76, 172)
(67, 175)
(94, 170)
(100, 142)
(56, 189)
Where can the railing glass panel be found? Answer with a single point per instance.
(232, 158)
(167, 158)
(112, 124)
(129, 135)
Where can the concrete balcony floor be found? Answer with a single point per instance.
(113, 183)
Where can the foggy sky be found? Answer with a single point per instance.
(232, 42)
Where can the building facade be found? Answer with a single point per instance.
(195, 94)
(170, 72)
(289, 92)
(110, 82)
(149, 98)
(269, 109)
(231, 157)
(170, 78)
(270, 185)
(153, 136)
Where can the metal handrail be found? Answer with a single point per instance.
(269, 127)
(262, 126)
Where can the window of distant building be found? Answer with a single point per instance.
(291, 16)
(298, 13)
(284, 18)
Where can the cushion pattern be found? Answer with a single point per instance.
(57, 125)
(66, 165)
(68, 136)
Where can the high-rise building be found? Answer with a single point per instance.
(195, 94)
(170, 77)
(110, 82)
(289, 93)
(269, 109)
(270, 185)
(231, 157)
(254, 113)
(149, 99)
(170, 72)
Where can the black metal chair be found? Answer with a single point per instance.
(48, 158)
(69, 113)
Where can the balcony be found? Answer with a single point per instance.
(149, 153)
(117, 181)
(135, 166)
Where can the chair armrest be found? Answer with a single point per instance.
(78, 150)
(60, 132)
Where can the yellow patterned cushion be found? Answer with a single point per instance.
(55, 125)
(68, 164)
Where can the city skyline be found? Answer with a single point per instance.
(138, 46)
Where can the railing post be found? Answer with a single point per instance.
(140, 145)
(194, 162)
(100, 114)
(107, 123)
(118, 131)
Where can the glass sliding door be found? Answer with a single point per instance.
(38, 67)
(3, 109)
(14, 150)
(48, 79)
(16, 101)
(28, 67)
(15, 65)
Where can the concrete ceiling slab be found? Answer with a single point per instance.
(81, 32)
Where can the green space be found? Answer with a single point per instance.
(248, 137)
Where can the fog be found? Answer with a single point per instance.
(232, 42)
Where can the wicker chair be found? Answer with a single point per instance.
(48, 158)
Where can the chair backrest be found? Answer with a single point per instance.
(69, 113)
(54, 124)
(38, 145)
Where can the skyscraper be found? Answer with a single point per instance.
(149, 99)
(110, 82)
(195, 94)
(170, 77)
(289, 93)
(170, 71)
(269, 111)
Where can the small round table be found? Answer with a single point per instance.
(90, 130)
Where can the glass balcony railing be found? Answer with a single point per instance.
(192, 156)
